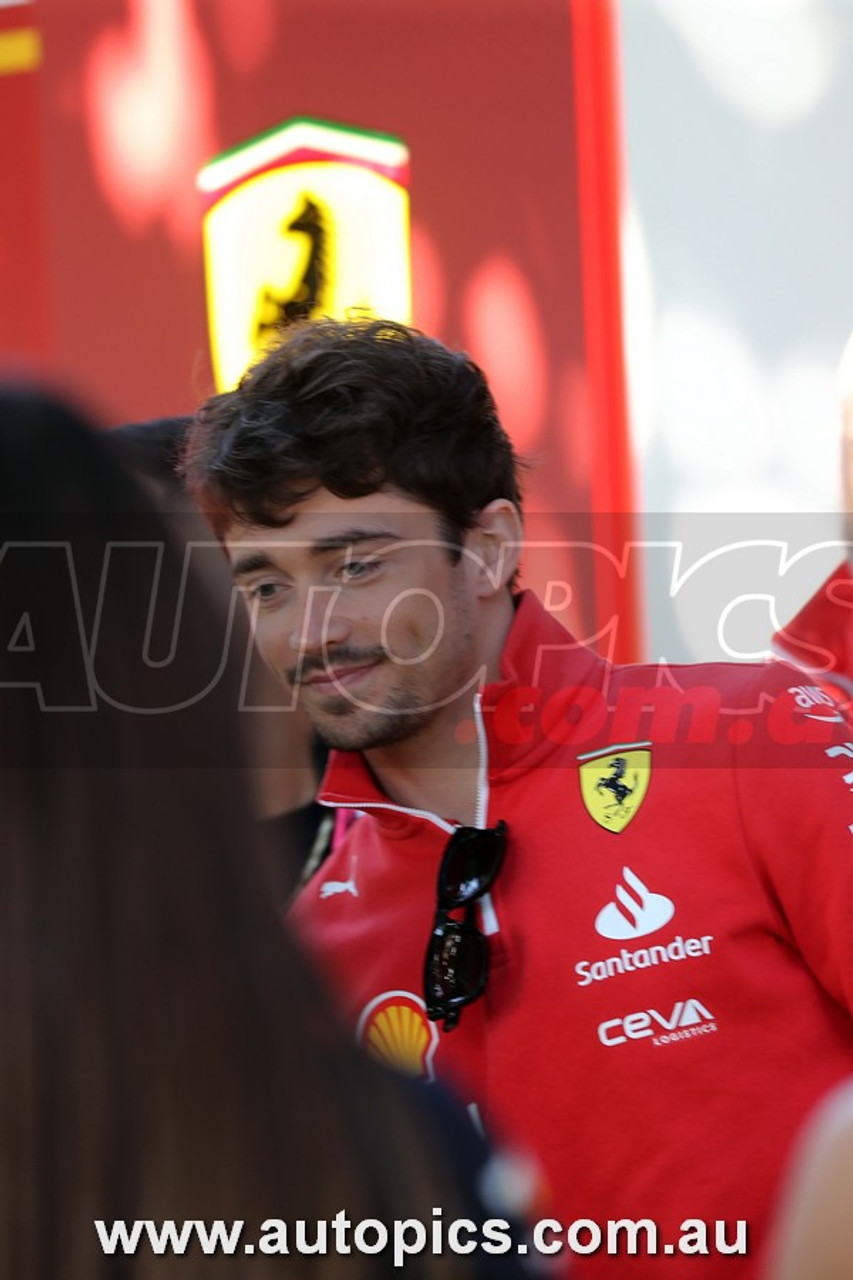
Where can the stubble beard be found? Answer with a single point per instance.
(346, 726)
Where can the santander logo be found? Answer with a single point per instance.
(636, 912)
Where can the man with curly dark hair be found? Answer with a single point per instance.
(611, 904)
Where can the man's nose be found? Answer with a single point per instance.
(318, 625)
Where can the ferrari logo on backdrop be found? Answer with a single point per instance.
(395, 1029)
(308, 220)
(614, 783)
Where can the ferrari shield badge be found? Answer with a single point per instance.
(614, 783)
(310, 219)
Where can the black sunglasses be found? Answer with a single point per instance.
(457, 960)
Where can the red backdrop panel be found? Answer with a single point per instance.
(511, 124)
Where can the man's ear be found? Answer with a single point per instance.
(494, 545)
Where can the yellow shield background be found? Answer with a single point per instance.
(614, 783)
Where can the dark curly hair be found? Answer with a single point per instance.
(352, 406)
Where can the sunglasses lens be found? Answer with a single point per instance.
(471, 862)
(457, 965)
(457, 959)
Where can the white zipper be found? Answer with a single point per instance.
(481, 811)
(489, 923)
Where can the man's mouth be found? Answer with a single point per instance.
(337, 679)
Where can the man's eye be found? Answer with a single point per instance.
(264, 592)
(357, 570)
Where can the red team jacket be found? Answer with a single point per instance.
(671, 935)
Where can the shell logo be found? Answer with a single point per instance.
(395, 1029)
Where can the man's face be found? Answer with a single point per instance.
(357, 604)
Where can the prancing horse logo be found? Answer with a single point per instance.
(620, 789)
(614, 783)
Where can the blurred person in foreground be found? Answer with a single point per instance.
(813, 1238)
(166, 1053)
(616, 900)
(287, 757)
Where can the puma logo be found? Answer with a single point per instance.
(332, 887)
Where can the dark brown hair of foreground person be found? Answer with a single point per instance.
(165, 1053)
(352, 406)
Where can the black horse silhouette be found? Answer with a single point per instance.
(614, 784)
(276, 307)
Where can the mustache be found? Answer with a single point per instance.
(327, 662)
